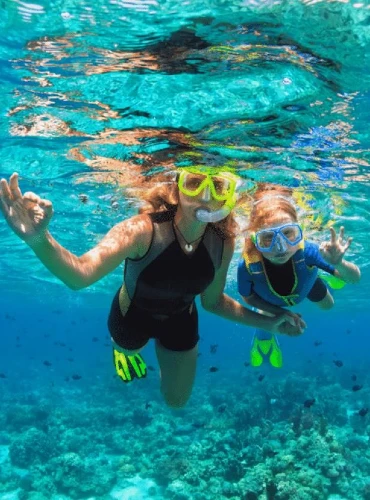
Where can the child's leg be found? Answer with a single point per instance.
(327, 302)
(320, 294)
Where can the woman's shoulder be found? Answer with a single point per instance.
(135, 232)
(137, 224)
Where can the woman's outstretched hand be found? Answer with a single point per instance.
(28, 215)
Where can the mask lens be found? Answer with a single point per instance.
(222, 186)
(292, 233)
(191, 183)
(264, 239)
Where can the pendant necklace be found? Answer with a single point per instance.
(188, 244)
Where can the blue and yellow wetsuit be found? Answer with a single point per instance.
(281, 285)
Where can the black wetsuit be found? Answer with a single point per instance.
(162, 286)
(282, 280)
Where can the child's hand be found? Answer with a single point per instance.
(333, 251)
(286, 328)
(294, 319)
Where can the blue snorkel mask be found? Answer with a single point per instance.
(277, 239)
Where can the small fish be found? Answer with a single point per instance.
(76, 376)
(348, 331)
(70, 360)
(151, 368)
(261, 377)
(47, 363)
(363, 412)
(222, 408)
(246, 364)
(61, 344)
(213, 369)
(83, 198)
(213, 348)
(357, 387)
(2, 375)
(95, 339)
(67, 379)
(338, 363)
(148, 405)
(317, 343)
(198, 425)
(354, 378)
(309, 402)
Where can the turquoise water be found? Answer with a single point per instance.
(96, 96)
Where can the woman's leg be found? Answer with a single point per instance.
(128, 352)
(128, 339)
(129, 331)
(177, 374)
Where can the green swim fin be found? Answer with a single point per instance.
(333, 281)
(266, 348)
(129, 367)
(276, 356)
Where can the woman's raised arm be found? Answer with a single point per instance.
(29, 216)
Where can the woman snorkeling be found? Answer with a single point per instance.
(179, 247)
(279, 268)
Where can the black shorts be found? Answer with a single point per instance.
(318, 291)
(178, 332)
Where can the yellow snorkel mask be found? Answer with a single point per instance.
(222, 186)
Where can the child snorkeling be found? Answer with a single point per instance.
(279, 268)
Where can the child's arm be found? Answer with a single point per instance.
(333, 251)
(348, 272)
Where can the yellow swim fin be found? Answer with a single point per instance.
(256, 352)
(129, 367)
(266, 348)
(276, 356)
